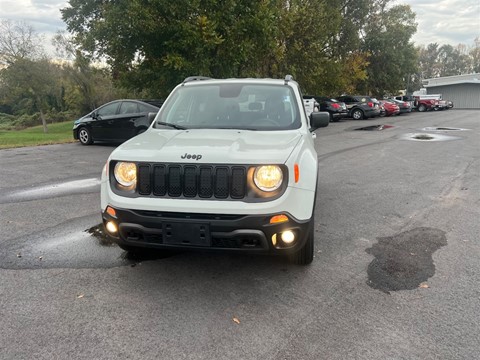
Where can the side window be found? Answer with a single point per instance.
(109, 109)
(144, 108)
(128, 107)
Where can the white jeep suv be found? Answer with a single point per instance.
(226, 165)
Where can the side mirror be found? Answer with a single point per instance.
(319, 120)
(151, 117)
(96, 116)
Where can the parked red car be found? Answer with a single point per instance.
(404, 106)
(391, 108)
(426, 104)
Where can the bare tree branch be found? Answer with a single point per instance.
(18, 40)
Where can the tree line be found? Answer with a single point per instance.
(147, 47)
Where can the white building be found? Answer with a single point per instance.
(463, 90)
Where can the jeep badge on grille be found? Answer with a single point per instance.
(190, 156)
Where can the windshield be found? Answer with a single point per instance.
(231, 106)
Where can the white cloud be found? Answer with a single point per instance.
(446, 21)
(43, 15)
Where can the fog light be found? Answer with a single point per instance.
(288, 237)
(111, 227)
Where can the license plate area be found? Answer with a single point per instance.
(186, 234)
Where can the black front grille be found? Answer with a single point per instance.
(144, 186)
(190, 181)
(174, 181)
(159, 180)
(205, 184)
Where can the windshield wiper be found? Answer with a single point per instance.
(178, 127)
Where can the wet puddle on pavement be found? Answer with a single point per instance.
(98, 233)
(71, 245)
(404, 261)
(375, 128)
(51, 190)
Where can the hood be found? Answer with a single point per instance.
(209, 146)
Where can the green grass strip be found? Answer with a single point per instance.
(58, 133)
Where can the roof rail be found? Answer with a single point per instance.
(195, 78)
(288, 78)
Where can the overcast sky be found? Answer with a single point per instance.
(442, 21)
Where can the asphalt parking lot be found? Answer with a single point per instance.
(395, 275)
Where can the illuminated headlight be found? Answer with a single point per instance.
(126, 173)
(268, 178)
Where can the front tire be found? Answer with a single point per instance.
(305, 255)
(422, 108)
(85, 136)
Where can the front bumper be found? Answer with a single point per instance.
(167, 230)
(75, 130)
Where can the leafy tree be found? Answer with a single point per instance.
(303, 41)
(446, 60)
(387, 38)
(86, 86)
(154, 44)
(27, 80)
(346, 68)
(428, 60)
(30, 84)
(451, 61)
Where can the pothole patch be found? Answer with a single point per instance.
(404, 261)
(375, 127)
(428, 137)
(443, 129)
(423, 137)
